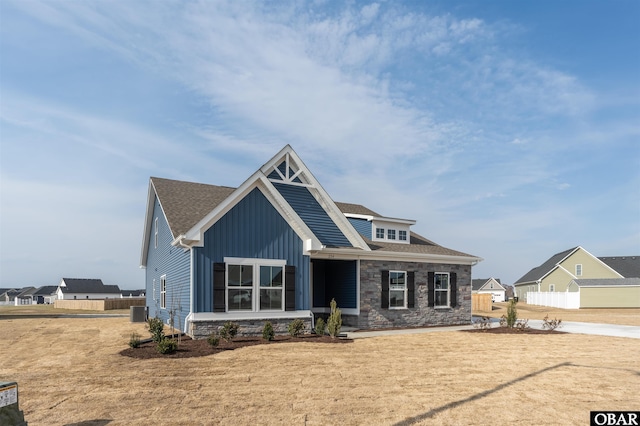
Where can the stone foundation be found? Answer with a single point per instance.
(202, 329)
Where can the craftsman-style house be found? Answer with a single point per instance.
(278, 248)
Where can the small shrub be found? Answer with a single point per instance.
(296, 327)
(229, 330)
(483, 323)
(267, 331)
(213, 340)
(334, 323)
(551, 324)
(167, 346)
(134, 341)
(156, 328)
(512, 315)
(522, 324)
(320, 326)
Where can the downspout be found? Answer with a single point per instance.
(187, 322)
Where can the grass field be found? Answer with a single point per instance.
(69, 372)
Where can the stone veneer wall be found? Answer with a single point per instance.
(202, 329)
(373, 316)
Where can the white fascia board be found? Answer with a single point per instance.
(558, 265)
(152, 195)
(603, 264)
(195, 236)
(359, 216)
(327, 203)
(148, 219)
(394, 220)
(351, 254)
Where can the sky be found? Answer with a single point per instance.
(508, 130)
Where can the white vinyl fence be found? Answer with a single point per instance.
(555, 299)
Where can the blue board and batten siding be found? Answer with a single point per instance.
(363, 227)
(174, 262)
(313, 215)
(253, 228)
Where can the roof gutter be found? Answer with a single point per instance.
(347, 253)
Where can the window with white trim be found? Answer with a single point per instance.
(397, 289)
(552, 287)
(391, 234)
(578, 270)
(163, 291)
(255, 285)
(402, 235)
(441, 289)
(380, 233)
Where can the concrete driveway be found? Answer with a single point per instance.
(568, 327)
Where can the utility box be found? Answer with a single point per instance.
(138, 313)
(10, 413)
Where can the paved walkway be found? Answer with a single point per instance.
(568, 327)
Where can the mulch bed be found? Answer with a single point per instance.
(190, 348)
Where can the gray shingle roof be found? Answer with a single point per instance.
(356, 209)
(45, 290)
(88, 285)
(627, 266)
(540, 271)
(602, 282)
(185, 203)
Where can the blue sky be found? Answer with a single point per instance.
(507, 130)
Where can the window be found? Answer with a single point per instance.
(397, 289)
(240, 287)
(271, 288)
(163, 291)
(402, 235)
(391, 234)
(552, 287)
(255, 285)
(441, 288)
(155, 234)
(380, 233)
(578, 270)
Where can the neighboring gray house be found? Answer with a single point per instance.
(82, 288)
(491, 286)
(25, 296)
(278, 248)
(8, 295)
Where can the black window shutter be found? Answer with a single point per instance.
(411, 289)
(453, 278)
(431, 281)
(384, 296)
(290, 288)
(219, 304)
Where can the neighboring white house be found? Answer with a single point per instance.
(490, 286)
(74, 288)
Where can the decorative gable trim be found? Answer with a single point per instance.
(296, 173)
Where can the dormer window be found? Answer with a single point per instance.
(380, 233)
(391, 234)
(402, 235)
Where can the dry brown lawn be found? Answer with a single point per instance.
(605, 316)
(69, 371)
